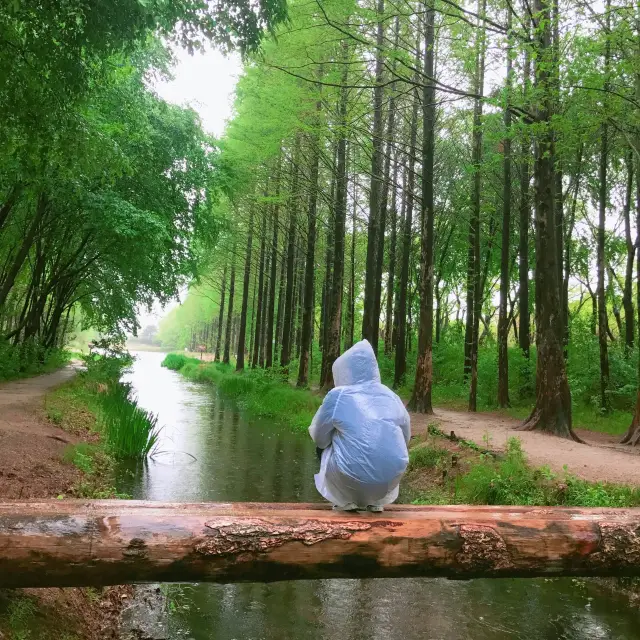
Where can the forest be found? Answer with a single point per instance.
(105, 189)
(457, 183)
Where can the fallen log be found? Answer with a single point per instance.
(78, 543)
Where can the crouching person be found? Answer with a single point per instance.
(363, 429)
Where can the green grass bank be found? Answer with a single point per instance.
(440, 471)
(259, 393)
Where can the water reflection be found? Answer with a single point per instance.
(238, 461)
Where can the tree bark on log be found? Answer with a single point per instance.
(80, 543)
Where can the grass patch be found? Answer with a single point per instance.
(175, 361)
(95, 406)
(473, 478)
(260, 393)
(614, 423)
(22, 618)
(424, 456)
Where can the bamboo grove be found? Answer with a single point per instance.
(435, 177)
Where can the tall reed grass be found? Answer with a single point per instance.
(129, 430)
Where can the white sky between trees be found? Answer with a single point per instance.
(205, 82)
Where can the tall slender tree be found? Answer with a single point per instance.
(505, 257)
(421, 397)
(216, 356)
(242, 330)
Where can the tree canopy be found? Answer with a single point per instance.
(457, 183)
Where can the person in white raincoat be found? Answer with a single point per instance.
(363, 429)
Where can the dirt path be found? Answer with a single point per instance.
(31, 448)
(602, 459)
(31, 466)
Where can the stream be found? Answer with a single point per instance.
(210, 452)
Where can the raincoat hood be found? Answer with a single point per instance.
(356, 366)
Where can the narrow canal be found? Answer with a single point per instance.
(210, 452)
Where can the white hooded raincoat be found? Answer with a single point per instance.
(364, 430)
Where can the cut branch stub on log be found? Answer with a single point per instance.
(78, 543)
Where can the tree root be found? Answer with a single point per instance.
(536, 422)
(632, 437)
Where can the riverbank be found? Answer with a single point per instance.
(51, 448)
(259, 393)
(598, 475)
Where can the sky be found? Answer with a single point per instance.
(205, 82)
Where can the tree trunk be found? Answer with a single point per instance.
(421, 397)
(375, 193)
(627, 297)
(232, 283)
(242, 331)
(287, 333)
(605, 405)
(524, 334)
(388, 322)
(505, 264)
(398, 258)
(299, 296)
(400, 368)
(567, 252)
(68, 545)
(327, 289)
(384, 200)
(9, 202)
(552, 411)
(258, 325)
(21, 255)
(352, 272)
(335, 315)
(277, 350)
(309, 271)
(265, 310)
(252, 332)
(272, 277)
(474, 232)
(216, 356)
(632, 437)
(557, 163)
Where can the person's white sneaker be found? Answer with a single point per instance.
(375, 508)
(350, 506)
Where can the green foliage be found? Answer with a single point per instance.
(510, 481)
(29, 358)
(426, 456)
(21, 614)
(175, 361)
(95, 404)
(83, 456)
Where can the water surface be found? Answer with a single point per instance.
(210, 452)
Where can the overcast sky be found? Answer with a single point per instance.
(204, 82)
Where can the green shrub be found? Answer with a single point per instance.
(82, 455)
(106, 369)
(510, 481)
(28, 359)
(175, 361)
